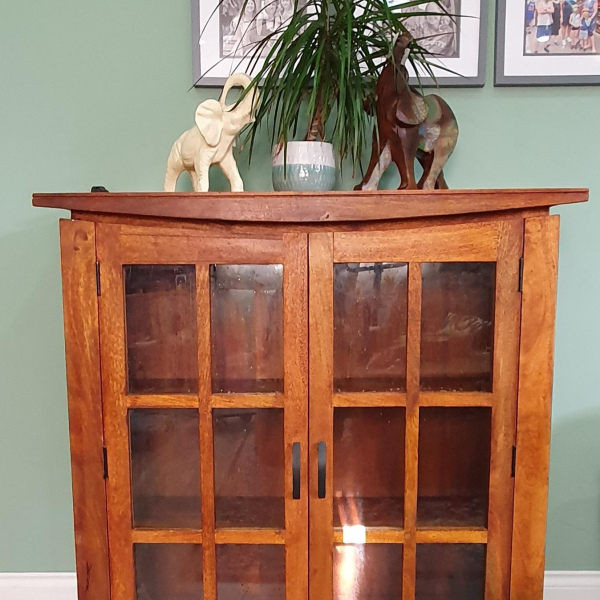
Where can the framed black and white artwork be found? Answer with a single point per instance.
(223, 37)
(456, 39)
(548, 42)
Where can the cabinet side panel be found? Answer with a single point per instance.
(82, 346)
(534, 409)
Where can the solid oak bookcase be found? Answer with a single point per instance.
(338, 396)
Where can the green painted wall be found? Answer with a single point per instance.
(94, 93)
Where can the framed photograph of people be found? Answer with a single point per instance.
(224, 35)
(548, 42)
(456, 39)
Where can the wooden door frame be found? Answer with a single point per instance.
(119, 245)
(536, 364)
(82, 353)
(499, 241)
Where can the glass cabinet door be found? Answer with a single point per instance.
(204, 353)
(413, 362)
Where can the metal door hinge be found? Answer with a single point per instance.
(513, 468)
(105, 463)
(98, 288)
(521, 273)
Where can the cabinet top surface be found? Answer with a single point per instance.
(318, 207)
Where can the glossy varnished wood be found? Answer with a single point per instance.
(82, 346)
(506, 359)
(115, 414)
(412, 430)
(295, 366)
(308, 233)
(320, 286)
(310, 207)
(534, 411)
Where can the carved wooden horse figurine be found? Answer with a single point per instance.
(409, 126)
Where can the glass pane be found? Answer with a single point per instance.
(454, 467)
(367, 572)
(249, 467)
(250, 572)
(450, 572)
(457, 327)
(369, 319)
(247, 328)
(165, 468)
(160, 308)
(368, 467)
(168, 571)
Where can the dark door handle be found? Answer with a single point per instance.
(322, 469)
(296, 470)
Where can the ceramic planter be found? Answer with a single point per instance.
(309, 167)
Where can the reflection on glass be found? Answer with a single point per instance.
(450, 572)
(367, 572)
(249, 467)
(368, 466)
(162, 353)
(370, 320)
(457, 327)
(165, 468)
(168, 571)
(454, 467)
(250, 572)
(247, 328)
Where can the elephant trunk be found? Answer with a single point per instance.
(238, 79)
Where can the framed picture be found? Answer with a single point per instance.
(223, 37)
(459, 43)
(548, 42)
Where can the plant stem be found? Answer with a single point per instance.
(316, 128)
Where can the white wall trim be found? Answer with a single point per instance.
(572, 585)
(560, 585)
(38, 586)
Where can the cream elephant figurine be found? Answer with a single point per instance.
(212, 139)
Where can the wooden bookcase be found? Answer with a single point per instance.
(310, 397)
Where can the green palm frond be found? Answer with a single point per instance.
(324, 62)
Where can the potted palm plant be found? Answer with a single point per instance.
(321, 61)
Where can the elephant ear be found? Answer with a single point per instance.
(209, 120)
(411, 108)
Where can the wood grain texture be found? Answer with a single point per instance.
(162, 401)
(475, 242)
(320, 289)
(505, 374)
(254, 536)
(258, 229)
(295, 366)
(166, 536)
(383, 535)
(311, 207)
(247, 401)
(207, 451)
(411, 470)
(534, 408)
(349, 399)
(82, 346)
(455, 399)
(112, 318)
(453, 536)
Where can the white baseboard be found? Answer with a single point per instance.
(559, 585)
(38, 586)
(572, 585)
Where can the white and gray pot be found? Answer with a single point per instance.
(309, 167)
